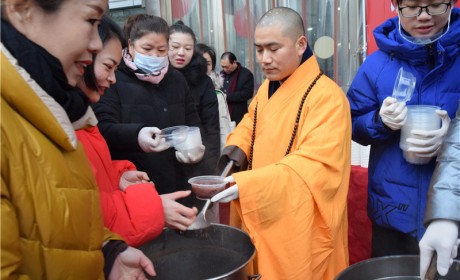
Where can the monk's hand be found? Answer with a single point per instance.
(229, 194)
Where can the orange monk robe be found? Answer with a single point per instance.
(294, 207)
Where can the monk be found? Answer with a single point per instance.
(292, 151)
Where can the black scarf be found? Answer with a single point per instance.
(46, 70)
(195, 71)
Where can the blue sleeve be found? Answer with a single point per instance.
(365, 102)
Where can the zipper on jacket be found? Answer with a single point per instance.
(431, 56)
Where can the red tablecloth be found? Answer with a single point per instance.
(359, 225)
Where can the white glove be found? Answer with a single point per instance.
(190, 158)
(229, 194)
(393, 113)
(431, 140)
(441, 236)
(148, 143)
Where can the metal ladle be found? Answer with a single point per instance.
(200, 221)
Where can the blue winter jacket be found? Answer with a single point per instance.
(397, 189)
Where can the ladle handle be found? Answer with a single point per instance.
(206, 205)
(432, 271)
(227, 168)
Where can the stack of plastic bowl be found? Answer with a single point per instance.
(420, 117)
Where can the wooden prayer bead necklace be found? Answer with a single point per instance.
(296, 125)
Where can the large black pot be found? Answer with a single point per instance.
(218, 252)
(392, 267)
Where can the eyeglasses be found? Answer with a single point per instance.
(432, 10)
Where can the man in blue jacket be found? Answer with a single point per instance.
(425, 40)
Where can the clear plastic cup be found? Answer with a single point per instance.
(421, 117)
(192, 143)
(404, 85)
(174, 135)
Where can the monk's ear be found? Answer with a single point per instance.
(301, 45)
(18, 11)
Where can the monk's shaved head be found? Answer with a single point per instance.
(286, 18)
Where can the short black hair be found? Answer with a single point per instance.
(228, 55)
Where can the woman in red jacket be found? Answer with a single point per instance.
(130, 203)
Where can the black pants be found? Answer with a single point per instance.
(389, 242)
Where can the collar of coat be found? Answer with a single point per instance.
(26, 97)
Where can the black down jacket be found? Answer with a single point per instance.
(131, 104)
(204, 95)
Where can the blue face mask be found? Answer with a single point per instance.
(150, 64)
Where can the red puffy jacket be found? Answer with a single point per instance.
(137, 214)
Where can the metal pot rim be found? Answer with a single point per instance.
(374, 263)
(243, 264)
(216, 229)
